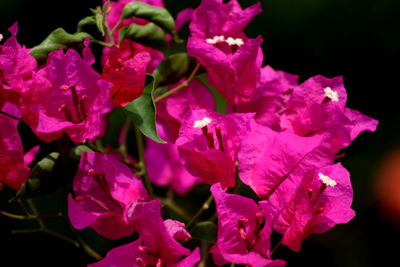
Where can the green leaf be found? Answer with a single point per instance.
(206, 231)
(86, 23)
(55, 40)
(159, 16)
(148, 35)
(173, 68)
(143, 111)
(42, 178)
(100, 22)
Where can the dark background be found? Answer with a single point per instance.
(359, 40)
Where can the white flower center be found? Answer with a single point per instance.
(220, 38)
(234, 41)
(331, 94)
(215, 39)
(201, 123)
(326, 180)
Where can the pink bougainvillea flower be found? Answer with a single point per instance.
(208, 143)
(157, 244)
(168, 169)
(128, 75)
(244, 229)
(131, 255)
(105, 192)
(16, 65)
(129, 47)
(322, 201)
(217, 40)
(214, 18)
(318, 105)
(67, 96)
(171, 110)
(268, 101)
(16, 68)
(271, 161)
(13, 171)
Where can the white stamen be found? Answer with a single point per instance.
(234, 41)
(326, 180)
(1, 37)
(215, 39)
(201, 123)
(333, 95)
(210, 41)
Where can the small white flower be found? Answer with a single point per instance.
(234, 41)
(326, 180)
(215, 39)
(201, 123)
(331, 94)
(210, 41)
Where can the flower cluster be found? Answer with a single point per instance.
(276, 136)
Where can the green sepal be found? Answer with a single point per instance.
(43, 177)
(159, 16)
(173, 68)
(142, 111)
(206, 231)
(77, 151)
(55, 40)
(149, 35)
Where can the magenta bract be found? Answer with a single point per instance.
(165, 168)
(13, 172)
(322, 201)
(157, 244)
(270, 161)
(243, 231)
(106, 193)
(127, 74)
(318, 106)
(67, 96)
(208, 143)
(217, 40)
(171, 111)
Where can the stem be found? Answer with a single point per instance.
(172, 206)
(49, 232)
(140, 148)
(124, 138)
(28, 216)
(10, 116)
(116, 26)
(276, 247)
(177, 88)
(101, 43)
(205, 247)
(14, 216)
(203, 208)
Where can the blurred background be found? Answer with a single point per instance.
(359, 40)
